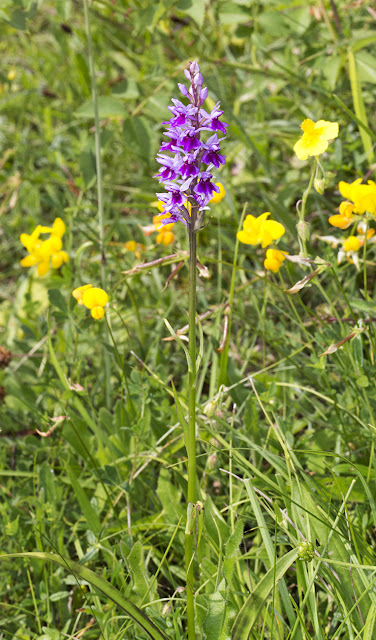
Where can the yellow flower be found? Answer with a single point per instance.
(11, 74)
(42, 253)
(58, 227)
(362, 195)
(345, 217)
(315, 138)
(165, 235)
(93, 298)
(260, 230)
(134, 246)
(274, 259)
(352, 243)
(218, 197)
(78, 293)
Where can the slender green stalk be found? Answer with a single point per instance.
(302, 225)
(191, 443)
(106, 358)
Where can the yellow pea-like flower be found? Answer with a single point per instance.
(274, 259)
(78, 293)
(315, 138)
(94, 297)
(352, 243)
(218, 197)
(260, 230)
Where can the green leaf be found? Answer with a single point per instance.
(232, 14)
(107, 107)
(169, 496)
(180, 414)
(366, 67)
(369, 627)
(251, 609)
(18, 18)
(231, 550)
(359, 108)
(138, 138)
(99, 583)
(364, 305)
(136, 566)
(57, 300)
(215, 617)
(195, 9)
(354, 117)
(86, 508)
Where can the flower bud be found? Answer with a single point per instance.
(209, 409)
(303, 229)
(319, 185)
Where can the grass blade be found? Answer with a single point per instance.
(251, 609)
(99, 583)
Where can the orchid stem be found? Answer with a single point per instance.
(191, 443)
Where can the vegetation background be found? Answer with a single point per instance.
(286, 435)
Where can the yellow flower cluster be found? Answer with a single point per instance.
(165, 235)
(348, 248)
(360, 200)
(263, 231)
(92, 298)
(45, 253)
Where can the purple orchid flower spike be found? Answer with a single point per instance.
(186, 174)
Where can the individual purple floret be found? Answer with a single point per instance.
(186, 174)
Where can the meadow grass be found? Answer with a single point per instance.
(93, 465)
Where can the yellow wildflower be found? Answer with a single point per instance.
(43, 253)
(95, 299)
(274, 259)
(315, 138)
(134, 246)
(260, 230)
(345, 217)
(352, 243)
(58, 227)
(165, 235)
(78, 293)
(218, 197)
(92, 298)
(362, 195)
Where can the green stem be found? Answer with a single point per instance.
(302, 225)
(106, 359)
(191, 443)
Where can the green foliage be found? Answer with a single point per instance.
(92, 462)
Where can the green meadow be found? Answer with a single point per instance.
(187, 443)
